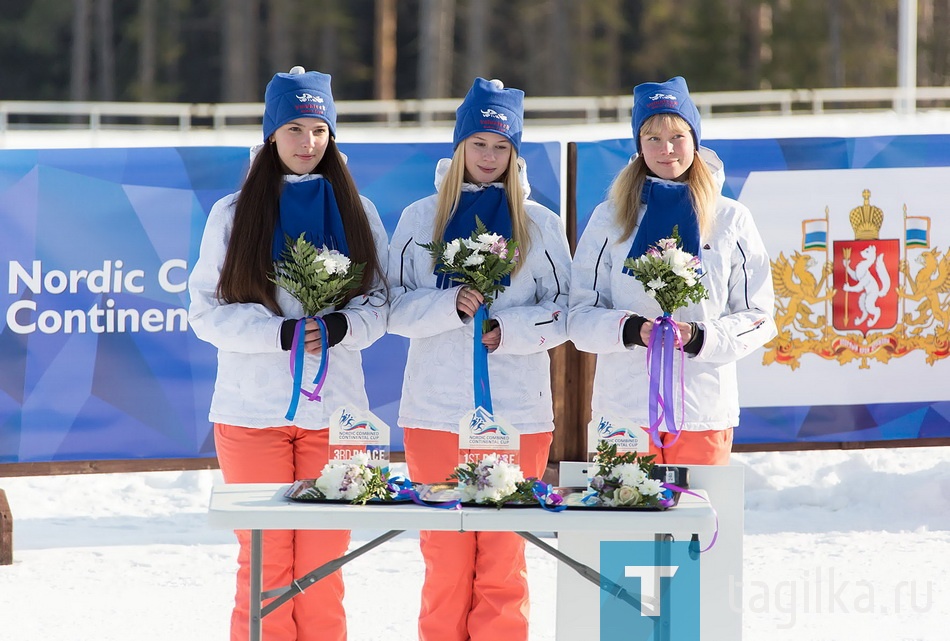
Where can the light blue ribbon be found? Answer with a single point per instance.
(297, 351)
(480, 374)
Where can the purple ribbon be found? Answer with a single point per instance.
(297, 352)
(660, 354)
(668, 502)
(544, 493)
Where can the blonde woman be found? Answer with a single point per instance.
(672, 182)
(475, 586)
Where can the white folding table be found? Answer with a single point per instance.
(262, 506)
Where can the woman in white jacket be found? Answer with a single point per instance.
(475, 586)
(297, 183)
(671, 182)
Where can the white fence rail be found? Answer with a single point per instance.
(549, 110)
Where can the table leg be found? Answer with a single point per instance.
(257, 583)
(585, 571)
(661, 559)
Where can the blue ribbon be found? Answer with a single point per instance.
(405, 490)
(543, 492)
(480, 361)
(297, 352)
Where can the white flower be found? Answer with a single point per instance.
(475, 245)
(629, 474)
(678, 260)
(336, 263)
(656, 283)
(651, 487)
(488, 239)
(451, 249)
(473, 260)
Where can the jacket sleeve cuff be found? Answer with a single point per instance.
(287, 333)
(631, 331)
(337, 326)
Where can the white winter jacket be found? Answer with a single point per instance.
(253, 384)
(738, 316)
(532, 312)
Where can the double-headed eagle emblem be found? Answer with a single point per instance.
(862, 300)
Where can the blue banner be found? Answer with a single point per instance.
(850, 342)
(96, 359)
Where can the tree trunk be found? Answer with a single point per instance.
(239, 49)
(105, 75)
(560, 68)
(280, 50)
(437, 36)
(834, 44)
(384, 85)
(147, 51)
(476, 42)
(79, 62)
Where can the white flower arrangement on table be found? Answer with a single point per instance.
(356, 481)
(669, 274)
(480, 261)
(623, 480)
(493, 481)
(317, 277)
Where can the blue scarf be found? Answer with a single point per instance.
(309, 207)
(491, 207)
(668, 205)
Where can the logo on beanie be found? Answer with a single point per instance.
(309, 97)
(491, 113)
(663, 96)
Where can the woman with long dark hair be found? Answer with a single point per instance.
(298, 183)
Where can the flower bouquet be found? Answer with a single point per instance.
(623, 480)
(481, 261)
(317, 277)
(357, 481)
(493, 481)
(669, 274)
(671, 277)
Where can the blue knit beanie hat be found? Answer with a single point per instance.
(490, 107)
(670, 97)
(298, 94)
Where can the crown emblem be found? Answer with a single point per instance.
(866, 220)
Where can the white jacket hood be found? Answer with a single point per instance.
(442, 168)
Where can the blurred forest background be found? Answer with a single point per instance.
(226, 50)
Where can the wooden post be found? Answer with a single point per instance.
(572, 372)
(6, 531)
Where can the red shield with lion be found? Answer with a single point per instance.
(865, 280)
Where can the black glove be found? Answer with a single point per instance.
(696, 340)
(336, 323)
(631, 331)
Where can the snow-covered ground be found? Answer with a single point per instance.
(838, 546)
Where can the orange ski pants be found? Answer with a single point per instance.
(282, 455)
(476, 586)
(709, 447)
